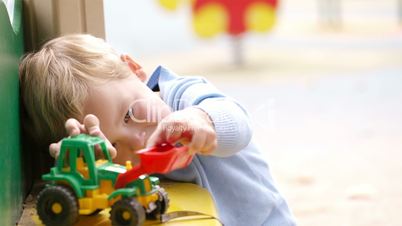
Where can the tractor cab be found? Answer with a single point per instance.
(84, 161)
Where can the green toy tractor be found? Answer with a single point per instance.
(83, 182)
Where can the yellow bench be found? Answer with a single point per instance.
(183, 197)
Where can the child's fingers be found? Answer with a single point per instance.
(54, 149)
(198, 141)
(73, 127)
(203, 141)
(112, 150)
(175, 131)
(210, 145)
(155, 138)
(161, 133)
(170, 130)
(91, 123)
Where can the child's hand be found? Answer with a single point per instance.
(90, 126)
(192, 123)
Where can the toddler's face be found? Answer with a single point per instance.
(128, 112)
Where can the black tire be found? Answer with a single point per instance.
(162, 204)
(127, 212)
(57, 205)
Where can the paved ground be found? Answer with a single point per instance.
(327, 113)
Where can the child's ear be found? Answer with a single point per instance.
(134, 67)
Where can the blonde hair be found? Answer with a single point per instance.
(55, 80)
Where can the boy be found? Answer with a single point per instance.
(80, 78)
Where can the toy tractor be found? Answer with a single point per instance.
(86, 181)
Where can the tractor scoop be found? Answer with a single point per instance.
(161, 159)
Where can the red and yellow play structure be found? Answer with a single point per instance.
(234, 17)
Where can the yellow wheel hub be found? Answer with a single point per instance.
(126, 215)
(57, 208)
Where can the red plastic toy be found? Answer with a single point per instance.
(160, 159)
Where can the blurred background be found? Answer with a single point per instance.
(321, 79)
(323, 87)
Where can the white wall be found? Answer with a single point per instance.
(143, 28)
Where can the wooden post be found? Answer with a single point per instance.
(330, 13)
(47, 19)
(238, 52)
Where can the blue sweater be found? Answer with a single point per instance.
(235, 174)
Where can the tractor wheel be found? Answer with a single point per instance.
(127, 212)
(57, 205)
(162, 205)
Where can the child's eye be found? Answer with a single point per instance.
(128, 115)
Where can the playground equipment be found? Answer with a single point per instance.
(235, 18)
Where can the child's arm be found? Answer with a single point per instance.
(230, 120)
(231, 123)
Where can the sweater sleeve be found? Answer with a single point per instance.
(231, 123)
(230, 119)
